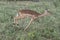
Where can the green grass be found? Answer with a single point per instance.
(45, 28)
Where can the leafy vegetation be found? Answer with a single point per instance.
(45, 28)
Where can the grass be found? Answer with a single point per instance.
(45, 28)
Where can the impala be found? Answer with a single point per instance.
(29, 13)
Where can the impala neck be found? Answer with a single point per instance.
(44, 14)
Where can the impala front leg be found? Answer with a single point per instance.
(29, 24)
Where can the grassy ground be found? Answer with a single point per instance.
(45, 28)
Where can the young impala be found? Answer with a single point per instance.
(28, 13)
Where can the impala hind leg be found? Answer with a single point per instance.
(16, 20)
(29, 24)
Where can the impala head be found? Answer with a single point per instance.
(46, 12)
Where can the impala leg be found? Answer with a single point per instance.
(16, 19)
(29, 24)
